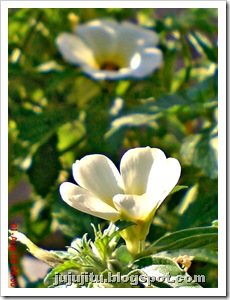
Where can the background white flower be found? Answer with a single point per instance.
(111, 50)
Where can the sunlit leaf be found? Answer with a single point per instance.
(158, 268)
(203, 237)
(200, 151)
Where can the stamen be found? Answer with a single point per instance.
(109, 66)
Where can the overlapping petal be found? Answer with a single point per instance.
(150, 59)
(163, 176)
(141, 36)
(75, 51)
(135, 167)
(85, 202)
(96, 35)
(98, 174)
(133, 207)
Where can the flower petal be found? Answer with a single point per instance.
(100, 36)
(149, 60)
(133, 207)
(82, 200)
(141, 36)
(135, 167)
(74, 50)
(99, 175)
(131, 38)
(163, 176)
(109, 75)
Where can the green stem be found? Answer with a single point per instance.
(141, 246)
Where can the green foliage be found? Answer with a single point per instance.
(162, 270)
(203, 237)
(157, 267)
(58, 115)
(45, 167)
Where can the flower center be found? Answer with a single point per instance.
(109, 66)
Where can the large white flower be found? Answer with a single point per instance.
(146, 178)
(111, 50)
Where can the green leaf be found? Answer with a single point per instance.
(163, 262)
(69, 135)
(168, 68)
(64, 255)
(35, 127)
(122, 255)
(132, 120)
(45, 167)
(67, 265)
(199, 255)
(188, 199)
(210, 51)
(72, 222)
(201, 237)
(215, 223)
(157, 268)
(177, 188)
(123, 224)
(200, 150)
(199, 206)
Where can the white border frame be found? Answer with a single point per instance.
(221, 290)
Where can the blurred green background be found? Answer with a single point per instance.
(58, 115)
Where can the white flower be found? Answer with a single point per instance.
(111, 50)
(146, 178)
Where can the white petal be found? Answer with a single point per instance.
(131, 39)
(74, 50)
(100, 36)
(109, 75)
(149, 60)
(173, 171)
(141, 36)
(163, 177)
(132, 207)
(135, 167)
(99, 175)
(82, 200)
